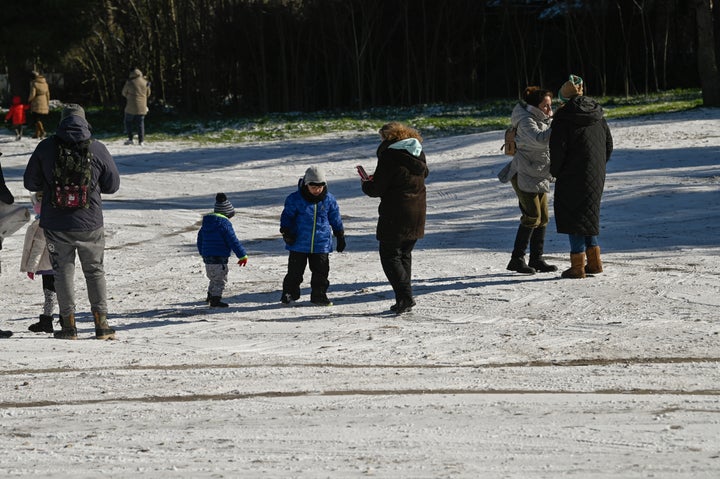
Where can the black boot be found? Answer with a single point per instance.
(517, 262)
(44, 325)
(216, 303)
(537, 245)
(5, 334)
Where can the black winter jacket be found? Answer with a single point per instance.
(580, 146)
(399, 181)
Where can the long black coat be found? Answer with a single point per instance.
(399, 181)
(580, 147)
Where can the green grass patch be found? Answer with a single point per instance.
(431, 120)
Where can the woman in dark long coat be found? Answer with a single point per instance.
(399, 182)
(580, 147)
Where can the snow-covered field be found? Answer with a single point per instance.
(493, 375)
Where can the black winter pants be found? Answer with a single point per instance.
(320, 269)
(396, 260)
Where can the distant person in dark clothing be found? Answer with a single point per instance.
(580, 147)
(399, 182)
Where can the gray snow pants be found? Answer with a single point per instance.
(90, 248)
(217, 274)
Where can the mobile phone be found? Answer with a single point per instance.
(363, 174)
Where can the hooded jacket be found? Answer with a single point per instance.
(39, 98)
(137, 91)
(217, 238)
(311, 220)
(531, 162)
(399, 182)
(16, 113)
(580, 147)
(39, 177)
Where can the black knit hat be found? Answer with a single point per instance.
(223, 206)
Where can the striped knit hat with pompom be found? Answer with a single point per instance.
(223, 205)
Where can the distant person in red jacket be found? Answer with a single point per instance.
(16, 115)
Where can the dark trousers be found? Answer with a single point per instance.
(135, 123)
(396, 260)
(319, 268)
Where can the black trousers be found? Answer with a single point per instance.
(396, 260)
(319, 268)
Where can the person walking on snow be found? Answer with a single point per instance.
(16, 116)
(529, 174)
(136, 91)
(73, 227)
(35, 261)
(399, 182)
(309, 219)
(215, 240)
(39, 100)
(580, 147)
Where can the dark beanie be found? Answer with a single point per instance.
(223, 205)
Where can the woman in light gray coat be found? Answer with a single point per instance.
(529, 173)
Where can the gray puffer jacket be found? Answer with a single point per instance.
(531, 162)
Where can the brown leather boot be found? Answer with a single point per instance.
(594, 263)
(102, 330)
(577, 266)
(68, 331)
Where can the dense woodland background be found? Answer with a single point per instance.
(257, 56)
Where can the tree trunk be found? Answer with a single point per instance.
(707, 66)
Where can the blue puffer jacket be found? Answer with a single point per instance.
(311, 220)
(216, 239)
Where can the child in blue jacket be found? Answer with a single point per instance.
(215, 240)
(309, 219)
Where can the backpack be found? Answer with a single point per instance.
(509, 145)
(72, 175)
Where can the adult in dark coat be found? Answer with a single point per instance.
(580, 147)
(399, 182)
(75, 231)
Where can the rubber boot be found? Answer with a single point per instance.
(216, 303)
(102, 330)
(577, 266)
(68, 331)
(594, 263)
(537, 245)
(517, 261)
(44, 325)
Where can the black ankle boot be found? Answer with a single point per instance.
(517, 261)
(216, 303)
(44, 325)
(537, 245)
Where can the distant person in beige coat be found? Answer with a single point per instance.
(39, 100)
(136, 91)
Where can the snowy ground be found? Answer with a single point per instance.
(494, 374)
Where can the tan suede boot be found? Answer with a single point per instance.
(68, 331)
(102, 330)
(594, 263)
(577, 266)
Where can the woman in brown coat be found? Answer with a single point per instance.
(39, 100)
(399, 182)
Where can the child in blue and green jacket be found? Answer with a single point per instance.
(215, 240)
(309, 219)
